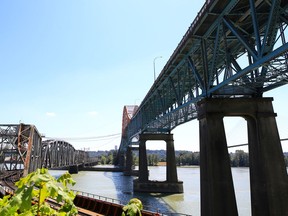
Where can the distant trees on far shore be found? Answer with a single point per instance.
(239, 158)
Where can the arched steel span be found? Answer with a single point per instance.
(128, 113)
(59, 153)
(233, 48)
(21, 148)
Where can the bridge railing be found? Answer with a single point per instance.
(98, 197)
(119, 202)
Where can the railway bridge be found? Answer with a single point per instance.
(231, 55)
(22, 148)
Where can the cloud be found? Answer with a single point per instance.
(50, 114)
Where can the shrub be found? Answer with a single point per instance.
(32, 192)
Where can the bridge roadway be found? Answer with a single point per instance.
(233, 52)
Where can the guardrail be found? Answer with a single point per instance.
(6, 190)
(119, 202)
(102, 198)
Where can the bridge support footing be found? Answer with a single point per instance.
(129, 171)
(158, 186)
(171, 185)
(73, 169)
(268, 174)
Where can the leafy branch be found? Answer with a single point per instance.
(133, 208)
(33, 191)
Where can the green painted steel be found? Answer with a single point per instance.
(233, 48)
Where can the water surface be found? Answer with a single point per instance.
(117, 186)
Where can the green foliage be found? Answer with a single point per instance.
(286, 158)
(33, 190)
(133, 208)
(108, 157)
(152, 159)
(239, 159)
(103, 160)
(187, 158)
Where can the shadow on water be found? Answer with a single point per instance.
(124, 187)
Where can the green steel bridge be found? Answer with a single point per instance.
(233, 52)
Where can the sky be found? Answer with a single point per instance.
(70, 66)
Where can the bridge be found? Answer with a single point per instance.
(233, 52)
(22, 148)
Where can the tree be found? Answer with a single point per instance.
(286, 160)
(110, 158)
(103, 160)
(152, 159)
(115, 152)
(239, 159)
(33, 190)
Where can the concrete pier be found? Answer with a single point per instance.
(143, 184)
(128, 171)
(128, 165)
(268, 175)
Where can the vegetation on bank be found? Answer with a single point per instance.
(239, 158)
(32, 192)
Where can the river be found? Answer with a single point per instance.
(117, 186)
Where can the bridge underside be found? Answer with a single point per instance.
(232, 49)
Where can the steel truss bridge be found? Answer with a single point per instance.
(233, 48)
(22, 148)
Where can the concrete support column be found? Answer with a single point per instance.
(121, 159)
(129, 159)
(268, 175)
(217, 190)
(143, 165)
(143, 184)
(171, 169)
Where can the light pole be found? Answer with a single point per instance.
(154, 66)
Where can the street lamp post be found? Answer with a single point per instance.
(154, 66)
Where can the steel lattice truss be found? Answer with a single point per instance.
(20, 147)
(58, 153)
(234, 48)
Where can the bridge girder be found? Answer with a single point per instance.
(232, 49)
(20, 147)
(59, 153)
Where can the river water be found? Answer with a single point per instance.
(117, 186)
